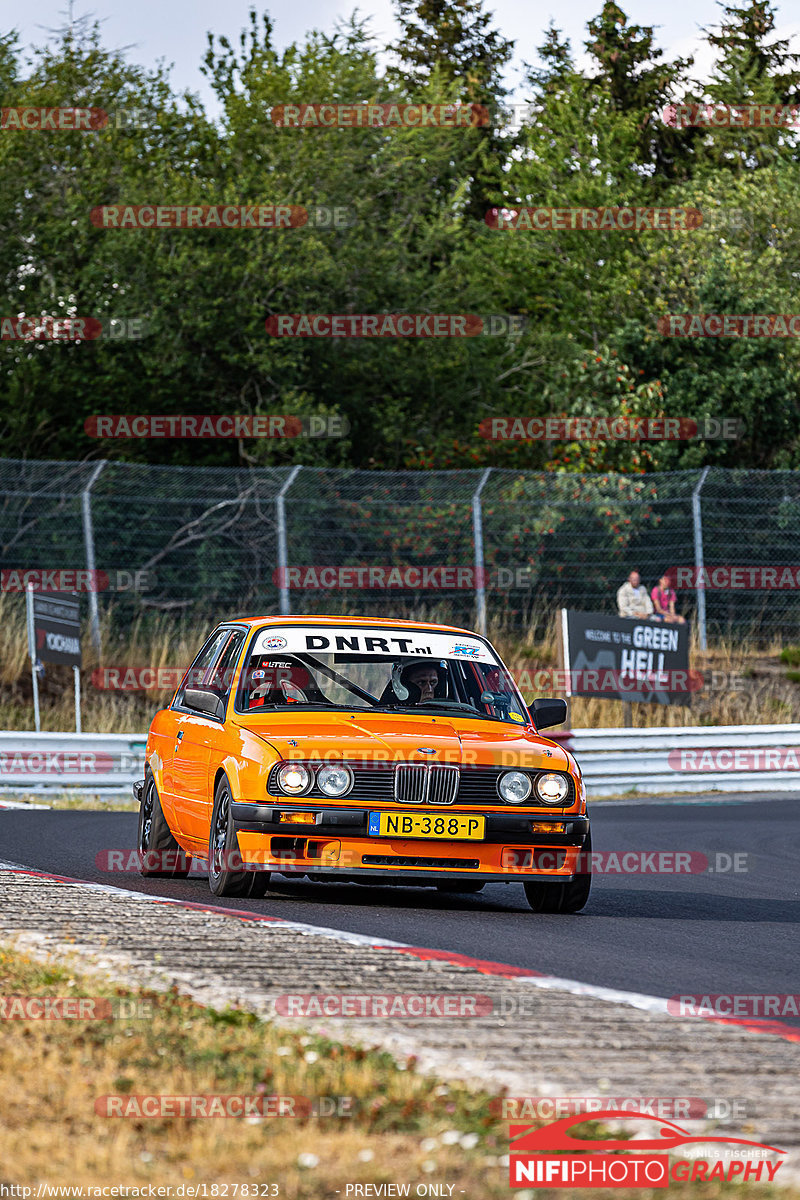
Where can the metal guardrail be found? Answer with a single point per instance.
(696, 758)
(90, 762)
(700, 758)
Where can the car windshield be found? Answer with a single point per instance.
(380, 669)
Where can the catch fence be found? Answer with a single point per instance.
(461, 546)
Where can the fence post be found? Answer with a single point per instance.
(88, 542)
(698, 560)
(477, 539)
(32, 653)
(280, 518)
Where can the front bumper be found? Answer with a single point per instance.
(338, 845)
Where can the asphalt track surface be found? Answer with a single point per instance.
(660, 934)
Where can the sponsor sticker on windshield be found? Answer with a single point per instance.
(371, 641)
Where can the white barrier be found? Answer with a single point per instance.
(732, 758)
(91, 762)
(697, 758)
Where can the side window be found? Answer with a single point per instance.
(225, 668)
(200, 670)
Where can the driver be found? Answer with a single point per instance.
(425, 677)
(415, 683)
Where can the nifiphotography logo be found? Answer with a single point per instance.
(551, 1157)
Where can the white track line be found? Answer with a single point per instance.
(639, 1000)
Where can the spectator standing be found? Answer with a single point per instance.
(632, 598)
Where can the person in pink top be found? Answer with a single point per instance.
(663, 597)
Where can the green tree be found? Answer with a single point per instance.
(752, 68)
(455, 38)
(631, 73)
(449, 50)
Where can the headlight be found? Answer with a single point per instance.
(294, 778)
(514, 787)
(552, 788)
(335, 780)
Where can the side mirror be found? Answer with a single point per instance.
(205, 701)
(545, 713)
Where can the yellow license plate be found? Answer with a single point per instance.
(453, 826)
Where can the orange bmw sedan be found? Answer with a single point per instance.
(374, 751)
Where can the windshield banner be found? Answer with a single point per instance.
(368, 640)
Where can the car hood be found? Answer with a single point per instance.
(390, 737)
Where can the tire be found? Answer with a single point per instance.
(155, 838)
(222, 846)
(466, 888)
(562, 897)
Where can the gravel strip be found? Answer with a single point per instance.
(535, 1042)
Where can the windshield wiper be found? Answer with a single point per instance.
(304, 704)
(447, 705)
(474, 712)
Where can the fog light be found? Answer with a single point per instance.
(292, 818)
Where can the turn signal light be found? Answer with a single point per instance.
(548, 827)
(297, 818)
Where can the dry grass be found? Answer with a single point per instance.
(13, 638)
(744, 684)
(51, 1072)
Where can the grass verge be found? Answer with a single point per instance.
(399, 1127)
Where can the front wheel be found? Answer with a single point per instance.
(160, 856)
(563, 897)
(224, 856)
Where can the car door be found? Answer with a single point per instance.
(203, 740)
(183, 771)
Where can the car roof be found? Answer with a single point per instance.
(314, 619)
